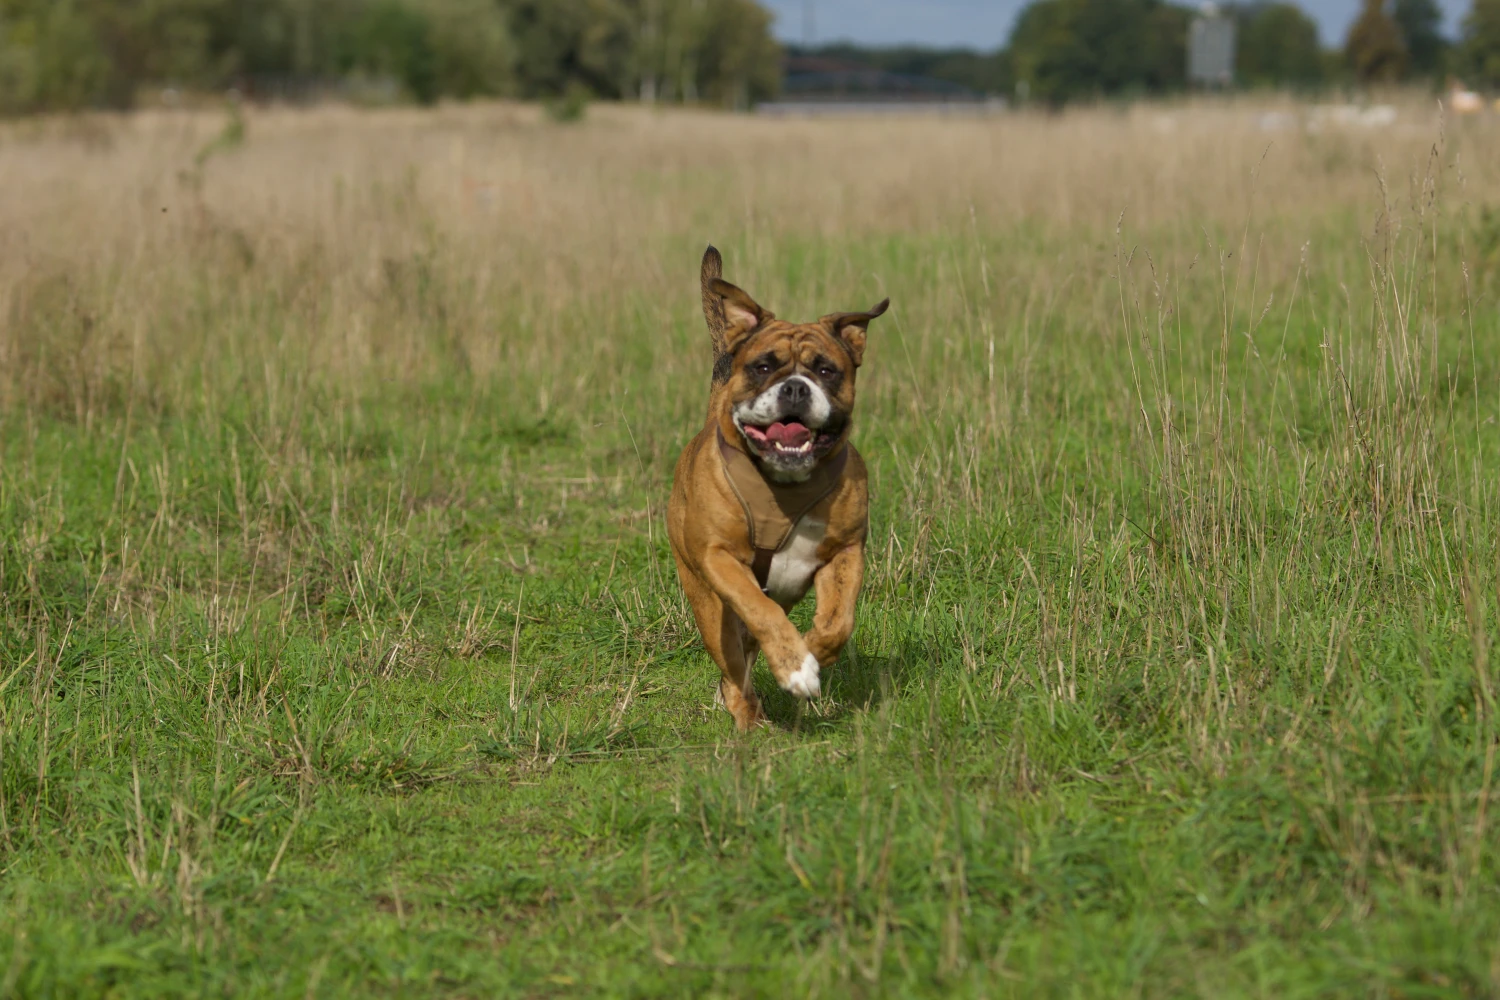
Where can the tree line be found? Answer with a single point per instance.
(1063, 50)
(59, 54)
(62, 54)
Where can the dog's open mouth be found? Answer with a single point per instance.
(787, 440)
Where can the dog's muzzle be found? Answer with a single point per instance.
(789, 425)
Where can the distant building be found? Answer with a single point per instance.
(821, 84)
(1211, 48)
(824, 79)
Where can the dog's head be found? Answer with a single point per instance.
(786, 390)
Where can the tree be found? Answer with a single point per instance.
(739, 63)
(1479, 52)
(1375, 49)
(88, 53)
(1420, 22)
(1069, 49)
(475, 53)
(687, 50)
(584, 42)
(393, 40)
(1277, 46)
(51, 56)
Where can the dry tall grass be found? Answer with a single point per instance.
(328, 232)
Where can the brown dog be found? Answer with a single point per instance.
(770, 498)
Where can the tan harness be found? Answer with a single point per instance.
(773, 510)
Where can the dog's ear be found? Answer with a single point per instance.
(851, 327)
(713, 306)
(741, 313)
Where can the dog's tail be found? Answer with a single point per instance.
(713, 305)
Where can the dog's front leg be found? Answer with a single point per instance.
(837, 584)
(794, 667)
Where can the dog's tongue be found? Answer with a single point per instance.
(793, 435)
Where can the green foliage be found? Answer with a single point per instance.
(1277, 46)
(569, 106)
(1375, 49)
(1069, 49)
(1479, 52)
(50, 54)
(572, 41)
(83, 53)
(1421, 24)
(474, 52)
(687, 50)
(738, 62)
(392, 39)
(230, 137)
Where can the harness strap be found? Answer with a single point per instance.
(773, 510)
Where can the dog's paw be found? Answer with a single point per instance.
(803, 682)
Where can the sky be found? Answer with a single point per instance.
(983, 24)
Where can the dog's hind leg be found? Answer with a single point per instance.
(751, 647)
(723, 637)
(735, 662)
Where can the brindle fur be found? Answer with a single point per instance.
(706, 524)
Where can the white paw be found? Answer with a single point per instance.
(804, 680)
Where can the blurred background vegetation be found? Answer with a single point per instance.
(58, 54)
(69, 54)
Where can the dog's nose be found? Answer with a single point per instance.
(795, 392)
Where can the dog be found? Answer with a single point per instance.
(770, 499)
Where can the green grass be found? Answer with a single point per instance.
(1172, 673)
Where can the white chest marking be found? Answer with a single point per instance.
(793, 567)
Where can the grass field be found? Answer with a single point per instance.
(341, 651)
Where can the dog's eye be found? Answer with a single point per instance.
(764, 367)
(827, 371)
